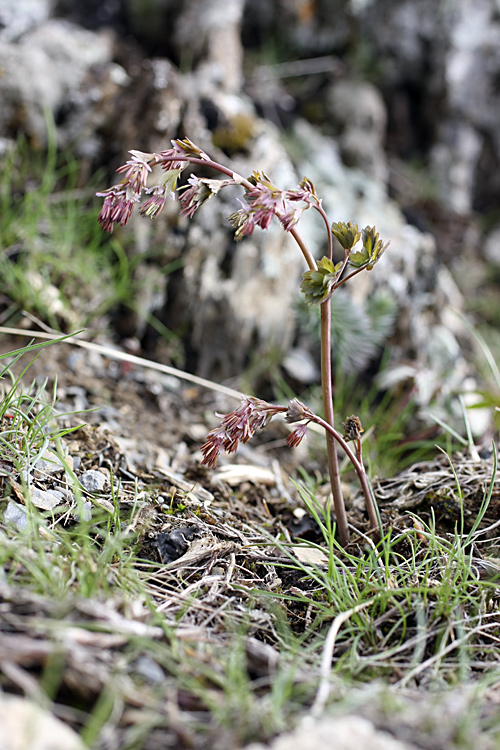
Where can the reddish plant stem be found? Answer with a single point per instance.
(305, 251)
(319, 208)
(331, 446)
(328, 410)
(357, 462)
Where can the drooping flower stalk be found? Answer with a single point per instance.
(263, 201)
(241, 424)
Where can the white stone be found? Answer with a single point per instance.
(343, 733)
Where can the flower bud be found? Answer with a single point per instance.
(352, 428)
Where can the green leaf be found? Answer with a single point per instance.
(373, 245)
(317, 285)
(346, 233)
(359, 258)
(325, 265)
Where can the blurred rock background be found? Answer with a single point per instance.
(389, 106)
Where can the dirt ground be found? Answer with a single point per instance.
(208, 529)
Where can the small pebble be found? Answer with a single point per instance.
(93, 480)
(47, 499)
(15, 514)
(86, 512)
(150, 670)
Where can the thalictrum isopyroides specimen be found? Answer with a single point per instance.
(262, 201)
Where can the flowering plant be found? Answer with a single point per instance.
(262, 201)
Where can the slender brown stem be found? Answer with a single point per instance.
(331, 446)
(332, 435)
(369, 501)
(357, 462)
(319, 208)
(305, 250)
(326, 385)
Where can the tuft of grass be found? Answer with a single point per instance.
(56, 263)
(416, 608)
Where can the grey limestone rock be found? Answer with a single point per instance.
(19, 16)
(93, 480)
(47, 70)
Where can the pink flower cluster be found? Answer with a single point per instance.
(240, 425)
(265, 200)
(119, 200)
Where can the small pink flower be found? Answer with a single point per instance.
(242, 222)
(305, 192)
(263, 217)
(136, 172)
(297, 435)
(238, 426)
(290, 218)
(213, 447)
(152, 206)
(115, 208)
(297, 411)
(189, 201)
(265, 200)
(193, 196)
